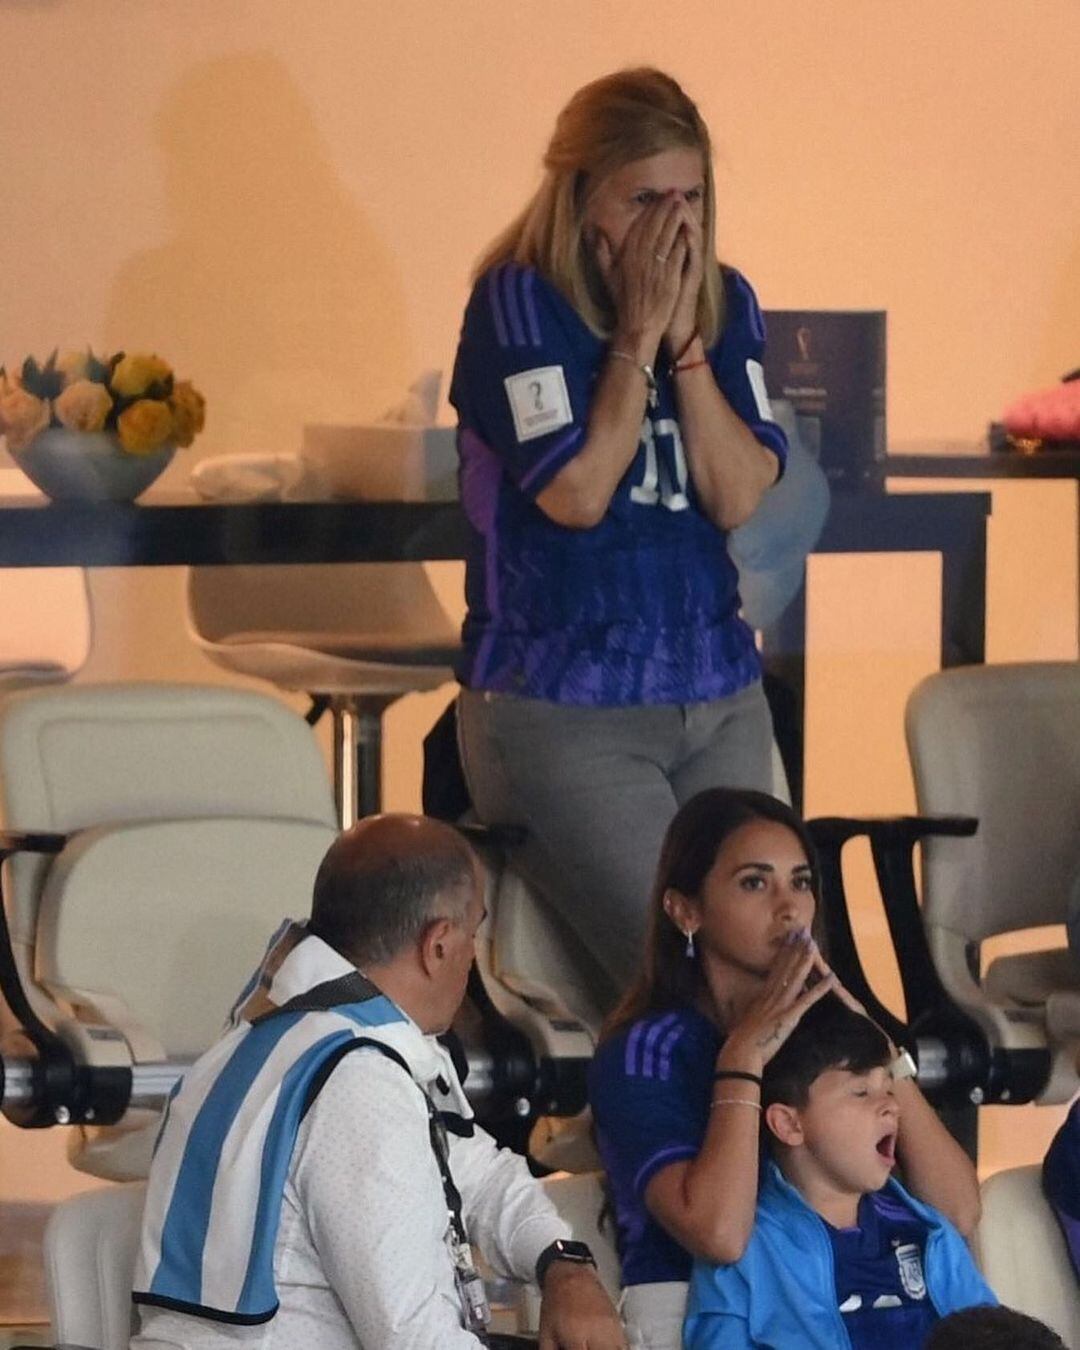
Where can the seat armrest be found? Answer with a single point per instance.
(11, 842)
(63, 1091)
(30, 841)
(829, 831)
(929, 1009)
(504, 837)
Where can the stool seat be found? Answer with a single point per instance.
(360, 635)
(337, 663)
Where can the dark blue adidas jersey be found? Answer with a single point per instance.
(881, 1288)
(650, 1088)
(642, 608)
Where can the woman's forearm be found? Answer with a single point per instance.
(708, 1204)
(935, 1167)
(581, 491)
(730, 467)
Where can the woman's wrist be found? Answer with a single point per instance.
(640, 343)
(739, 1057)
(685, 345)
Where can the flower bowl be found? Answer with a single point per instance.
(89, 466)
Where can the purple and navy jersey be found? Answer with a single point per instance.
(880, 1282)
(1061, 1180)
(643, 607)
(650, 1088)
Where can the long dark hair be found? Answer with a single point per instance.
(667, 979)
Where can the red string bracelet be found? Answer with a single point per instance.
(683, 350)
(688, 365)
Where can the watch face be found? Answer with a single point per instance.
(563, 1249)
(903, 1066)
(566, 1250)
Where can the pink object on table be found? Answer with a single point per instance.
(1048, 414)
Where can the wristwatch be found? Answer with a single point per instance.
(563, 1249)
(903, 1066)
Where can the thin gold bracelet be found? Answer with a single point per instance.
(735, 1101)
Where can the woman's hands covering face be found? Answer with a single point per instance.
(646, 277)
(683, 322)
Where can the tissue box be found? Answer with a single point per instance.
(384, 463)
(830, 365)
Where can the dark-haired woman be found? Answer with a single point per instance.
(730, 968)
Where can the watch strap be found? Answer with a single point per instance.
(562, 1249)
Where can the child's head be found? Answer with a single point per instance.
(829, 1107)
(992, 1329)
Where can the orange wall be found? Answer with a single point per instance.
(286, 202)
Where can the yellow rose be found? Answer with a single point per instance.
(136, 373)
(144, 426)
(73, 366)
(22, 416)
(188, 408)
(83, 406)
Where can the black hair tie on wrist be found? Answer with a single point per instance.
(721, 1074)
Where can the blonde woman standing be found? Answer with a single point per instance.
(613, 427)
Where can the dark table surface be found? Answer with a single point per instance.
(174, 531)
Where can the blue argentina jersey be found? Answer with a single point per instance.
(643, 607)
(649, 1088)
(881, 1288)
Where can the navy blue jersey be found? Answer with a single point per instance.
(650, 1088)
(1061, 1180)
(880, 1283)
(643, 607)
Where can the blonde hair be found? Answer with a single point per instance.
(627, 116)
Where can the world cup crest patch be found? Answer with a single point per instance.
(909, 1260)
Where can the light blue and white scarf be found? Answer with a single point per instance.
(218, 1177)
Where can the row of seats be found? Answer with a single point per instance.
(191, 820)
(91, 1242)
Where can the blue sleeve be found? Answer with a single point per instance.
(1061, 1180)
(718, 1309)
(1061, 1168)
(649, 1091)
(736, 363)
(964, 1285)
(770, 548)
(523, 376)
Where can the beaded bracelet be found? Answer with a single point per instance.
(734, 1101)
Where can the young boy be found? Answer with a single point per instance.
(840, 1255)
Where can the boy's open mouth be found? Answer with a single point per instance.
(886, 1147)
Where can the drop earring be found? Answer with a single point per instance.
(690, 945)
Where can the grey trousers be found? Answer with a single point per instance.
(596, 789)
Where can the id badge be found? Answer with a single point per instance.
(470, 1287)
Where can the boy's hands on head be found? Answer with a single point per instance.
(771, 1016)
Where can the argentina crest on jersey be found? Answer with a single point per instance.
(909, 1261)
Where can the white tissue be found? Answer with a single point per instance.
(400, 457)
(420, 404)
(257, 478)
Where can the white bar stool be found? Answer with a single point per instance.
(356, 637)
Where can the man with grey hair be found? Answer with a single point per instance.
(319, 1179)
